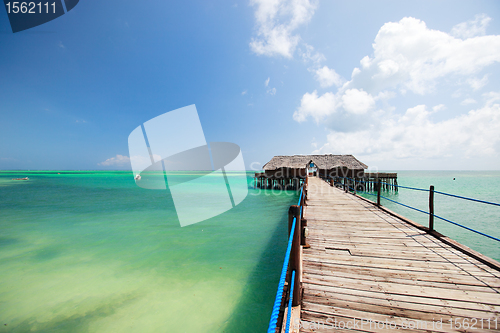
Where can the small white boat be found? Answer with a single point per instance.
(137, 177)
(25, 178)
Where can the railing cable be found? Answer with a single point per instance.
(399, 203)
(439, 217)
(279, 294)
(289, 314)
(462, 226)
(465, 198)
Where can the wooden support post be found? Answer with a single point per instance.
(305, 232)
(431, 208)
(378, 191)
(354, 186)
(290, 220)
(295, 258)
(303, 198)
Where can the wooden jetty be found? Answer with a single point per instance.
(389, 180)
(366, 269)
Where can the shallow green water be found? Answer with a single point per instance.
(92, 252)
(482, 185)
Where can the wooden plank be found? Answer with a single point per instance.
(395, 263)
(429, 276)
(342, 297)
(402, 266)
(400, 289)
(444, 283)
(381, 319)
(365, 294)
(404, 310)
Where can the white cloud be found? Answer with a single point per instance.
(385, 95)
(414, 135)
(276, 22)
(351, 102)
(357, 101)
(316, 107)
(468, 101)
(472, 28)
(118, 160)
(244, 92)
(492, 97)
(439, 107)
(270, 91)
(410, 56)
(476, 83)
(309, 55)
(314, 144)
(328, 77)
(407, 56)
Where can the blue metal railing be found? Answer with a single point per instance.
(279, 294)
(429, 213)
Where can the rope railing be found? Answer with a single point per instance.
(289, 314)
(279, 294)
(431, 204)
(273, 322)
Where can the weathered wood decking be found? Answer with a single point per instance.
(373, 272)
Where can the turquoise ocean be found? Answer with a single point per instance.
(481, 185)
(89, 251)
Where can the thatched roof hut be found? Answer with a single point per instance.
(328, 166)
(328, 161)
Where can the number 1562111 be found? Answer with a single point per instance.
(30, 7)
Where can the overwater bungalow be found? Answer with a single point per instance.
(290, 171)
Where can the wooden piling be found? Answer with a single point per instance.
(431, 208)
(378, 192)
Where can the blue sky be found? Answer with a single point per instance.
(399, 84)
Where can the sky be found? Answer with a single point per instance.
(401, 85)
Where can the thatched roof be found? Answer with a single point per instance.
(322, 162)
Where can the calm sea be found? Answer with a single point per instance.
(92, 252)
(482, 185)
